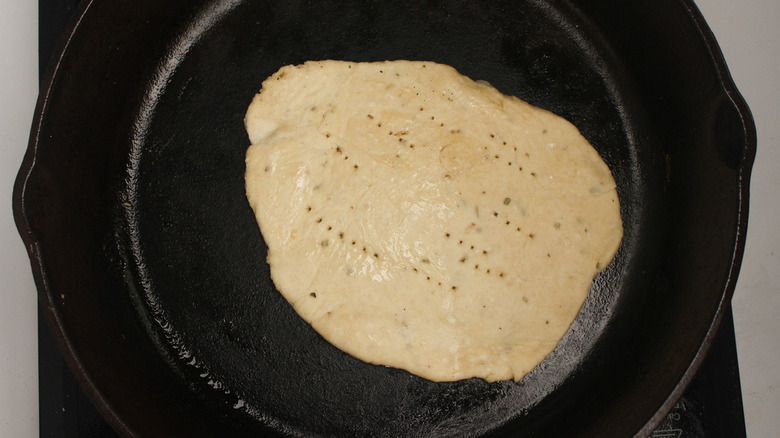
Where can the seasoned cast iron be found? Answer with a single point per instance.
(151, 268)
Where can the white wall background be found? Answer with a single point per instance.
(18, 320)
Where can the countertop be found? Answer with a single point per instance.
(750, 40)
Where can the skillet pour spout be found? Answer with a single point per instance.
(151, 270)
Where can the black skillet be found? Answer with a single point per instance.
(151, 269)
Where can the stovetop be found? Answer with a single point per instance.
(711, 407)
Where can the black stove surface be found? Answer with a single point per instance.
(711, 407)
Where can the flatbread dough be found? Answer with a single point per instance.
(421, 220)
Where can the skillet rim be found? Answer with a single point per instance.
(749, 152)
(45, 295)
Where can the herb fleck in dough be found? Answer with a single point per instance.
(421, 220)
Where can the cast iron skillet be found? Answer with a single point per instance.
(151, 269)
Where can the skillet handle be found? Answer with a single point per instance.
(734, 131)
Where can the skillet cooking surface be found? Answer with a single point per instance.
(180, 239)
(201, 254)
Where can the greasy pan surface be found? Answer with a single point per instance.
(152, 270)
